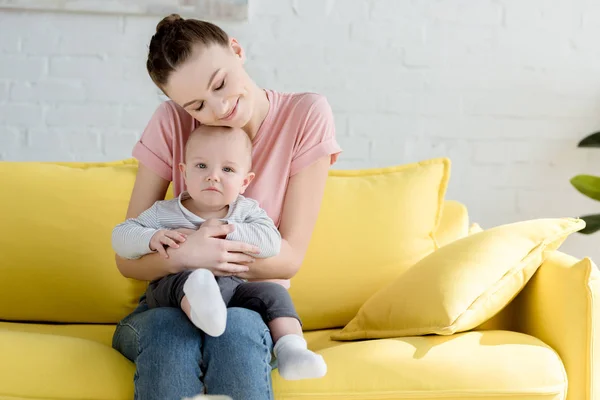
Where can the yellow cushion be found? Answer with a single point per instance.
(57, 263)
(496, 365)
(454, 223)
(373, 225)
(475, 228)
(462, 284)
(91, 164)
(43, 366)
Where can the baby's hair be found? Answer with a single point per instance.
(223, 131)
(173, 42)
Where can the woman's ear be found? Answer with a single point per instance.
(237, 49)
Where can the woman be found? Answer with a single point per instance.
(201, 70)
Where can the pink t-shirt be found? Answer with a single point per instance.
(298, 130)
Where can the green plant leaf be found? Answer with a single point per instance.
(589, 185)
(592, 140)
(592, 224)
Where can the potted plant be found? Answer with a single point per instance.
(589, 185)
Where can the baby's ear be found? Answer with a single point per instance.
(247, 181)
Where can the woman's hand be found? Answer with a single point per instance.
(185, 231)
(204, 249)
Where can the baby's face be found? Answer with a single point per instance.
(217, 168)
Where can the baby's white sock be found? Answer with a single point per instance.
(295, 361)
(208, 310)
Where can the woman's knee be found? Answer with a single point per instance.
(166, 349)
(246, 336)
(165, 332)
(238, 363)
(247, 325)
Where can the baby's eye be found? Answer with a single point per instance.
(227, 169)
(200, 107)
(201, 165)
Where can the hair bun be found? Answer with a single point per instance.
(168, 21)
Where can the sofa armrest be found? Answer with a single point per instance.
(560, 306)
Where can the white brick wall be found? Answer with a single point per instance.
(506, 88)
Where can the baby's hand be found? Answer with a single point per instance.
(215, 222)
(166, 237)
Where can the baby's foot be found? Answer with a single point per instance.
(295, 361)
(208, 311)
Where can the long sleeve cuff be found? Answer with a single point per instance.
(136, 245)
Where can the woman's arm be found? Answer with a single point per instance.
(256, 228)
(148, 188)
(300, 211)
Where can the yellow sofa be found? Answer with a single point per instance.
(541, 346)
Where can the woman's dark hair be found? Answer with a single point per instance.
(174, 41)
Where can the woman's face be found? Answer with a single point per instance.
(213, 87)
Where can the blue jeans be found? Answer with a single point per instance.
(174, 359)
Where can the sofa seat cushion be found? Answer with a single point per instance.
(52, 366)
(77, 362)
(95, 332)
(471, 365)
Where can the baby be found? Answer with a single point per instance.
(217, 171)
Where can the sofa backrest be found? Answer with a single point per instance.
(57, 264)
